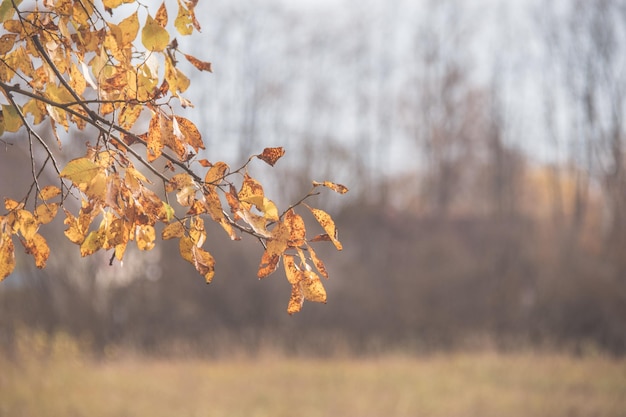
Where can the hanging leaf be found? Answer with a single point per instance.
(44, 213)
(184, 21)
(144, 236)
(153, 36)
(201, 65)
(7, 256)
(296, 300)
(216, 173)
(312, 287)
(173, 230)
(48, 192)
(161, 16)
(319, 265)
(328, 224)
(341, 189)
(271, 155)
(38, 247)
(129, 28)
(11, 118)
(204, 263)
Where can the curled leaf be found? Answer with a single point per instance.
(339, 188)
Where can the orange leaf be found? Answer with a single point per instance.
(297, 230)
(205, 163)
(201, 65)
(276, 245)
(7, 256)
(296, 300)
(161, 16)
(271, 155)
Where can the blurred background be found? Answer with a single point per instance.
(483, 143)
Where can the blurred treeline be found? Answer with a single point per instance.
(484, 147)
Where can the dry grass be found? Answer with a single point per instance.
(56, 383)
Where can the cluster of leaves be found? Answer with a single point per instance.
(64, 62)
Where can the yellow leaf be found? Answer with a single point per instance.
(197, 233)
(75, 233)
(37, 109)
(270, 211)
(216, 173)
(296, 299)
(92, 243)
(179, 181)
(328, 224)
(153, 36)
(129, 115)
(297, 229)
(144, 236)
(26, 224)
(271, 155)
(46, 212)
(81, 171)
(294, 275)
(177, 81)
(129, 28)
(111, 4)
(185, 246)
(11, 118)
(276, 245)
(119, 250)
(97, 187)
(161, 16)
(48, 192)
(201, 65)
(7, 256)
(251, 193)
(341, 189)
(12, 204)
(190, 132)
(38, 247)
(312, 287)
(183, 22)
(115, 231)
(173, 230)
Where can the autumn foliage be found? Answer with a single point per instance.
(66, 63)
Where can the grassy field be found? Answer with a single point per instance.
(59, 383)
